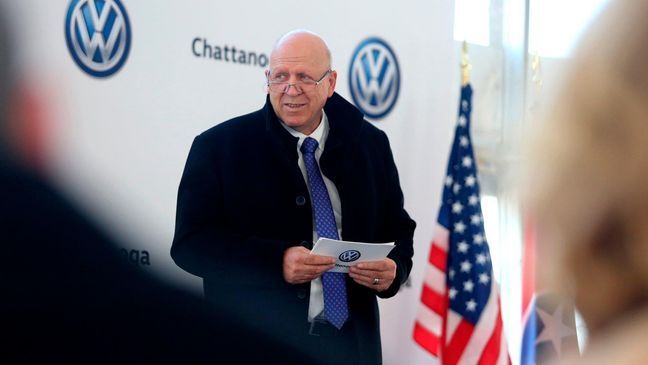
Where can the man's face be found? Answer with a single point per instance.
(296, 60)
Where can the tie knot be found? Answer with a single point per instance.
(309, 145)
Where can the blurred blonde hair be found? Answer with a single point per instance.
(589, 183)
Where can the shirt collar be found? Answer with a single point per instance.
(319, 134)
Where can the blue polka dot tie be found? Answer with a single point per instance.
(336, 308)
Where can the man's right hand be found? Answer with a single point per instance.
(299, 266)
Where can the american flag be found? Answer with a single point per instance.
(459, 320)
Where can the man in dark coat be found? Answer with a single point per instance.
(247, 216)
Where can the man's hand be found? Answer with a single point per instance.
(299, 266)
(377, 275)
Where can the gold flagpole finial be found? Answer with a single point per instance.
(466, 67)
(536, 77)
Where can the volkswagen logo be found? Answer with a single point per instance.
(349, 256)
(98, 35)
(374, 78)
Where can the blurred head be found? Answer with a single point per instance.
(23, 118)
(590, 171)
(300, 79)
(6, 82)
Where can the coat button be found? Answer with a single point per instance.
(300, 200)
(301, 294)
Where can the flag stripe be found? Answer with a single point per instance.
(435, 279)
(483, 329)
(433, 300)
(528, 264)
(430, 320)
(504, 359)
(492, 350)
(529, 309)
(458, 342)
(438, 257)
(425, 338)
(452, 323)
(441, 237)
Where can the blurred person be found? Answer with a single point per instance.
(252, 200)
(589, 186)
(68, 295)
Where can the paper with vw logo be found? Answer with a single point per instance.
(349, 253)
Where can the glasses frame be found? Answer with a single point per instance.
(297, 85)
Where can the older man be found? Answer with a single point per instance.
(253, 199)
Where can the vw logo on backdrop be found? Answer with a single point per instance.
(374, 78)
(98, 35)
(350, 255)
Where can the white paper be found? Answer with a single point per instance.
(349, 253)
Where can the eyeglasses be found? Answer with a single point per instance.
(304, 85)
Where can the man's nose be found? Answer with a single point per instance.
(292, 90)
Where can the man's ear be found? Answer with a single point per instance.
(267, 74)
(332, 79)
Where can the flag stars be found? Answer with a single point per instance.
(478, 239)
(554, 328)
(471, 305)
(468, 286)
(462, 120)
(451, 274)
(481, 259)
(459, 227)
(462, 247)
(484, 278)
(455, 188)
(470, 181)
(457, 208)
(463, 141)
(475, 219)
(452, 293)
(466, 266)
(448, 180)
(466, 161)
(473, 200)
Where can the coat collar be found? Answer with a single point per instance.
(345, 120)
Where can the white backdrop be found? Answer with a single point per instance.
(119, 144)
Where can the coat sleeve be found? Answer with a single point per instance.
(398, 223)
(202, 243)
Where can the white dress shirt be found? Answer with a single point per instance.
(320, 134)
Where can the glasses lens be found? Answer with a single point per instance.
(280, 87)
(303, 86)
(276, 87)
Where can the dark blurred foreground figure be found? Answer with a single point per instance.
(68, 296)
(591, 186)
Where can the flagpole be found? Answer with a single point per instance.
(466, 66)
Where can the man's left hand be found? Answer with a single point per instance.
(377, 275)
